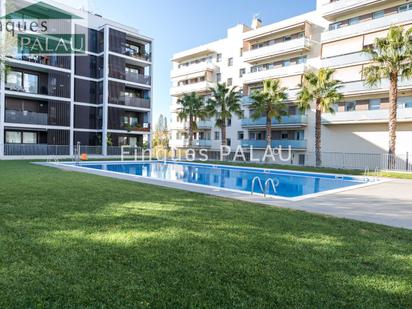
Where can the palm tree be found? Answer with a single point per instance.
(269, 102)
(391, 58)
(321, 88)
(223, 103)
(191, 108)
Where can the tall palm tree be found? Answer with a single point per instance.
(391, 59)
(270, 102)
(321, 88)
(191, 108)
(224, 102)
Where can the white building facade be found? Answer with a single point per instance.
(332, 36)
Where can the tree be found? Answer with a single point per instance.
(191, 108)
(391, 59)
(269, 102)
(161, 133)
(223, 103)
(321, 88)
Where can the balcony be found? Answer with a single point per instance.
(366, 27)
(260, 76)
(287, 121)
(284, 143)
(136, 102)
(200, 87)
(293, 46)
(368, 116)
(359, 87)
(333, 9)
(345, 60)
(135, 53)
(26, 117)
(138, 78)
(197, 143)
(205, 125)
(292, 96)
(145, 127)
(192, 69)
(63, 62)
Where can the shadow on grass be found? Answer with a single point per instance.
(70, 239)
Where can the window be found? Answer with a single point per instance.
(374, 104)
(353, 21)
(242, 72)
(13, 137)
(229, 122)
(287, 38)
(408, 104)
(284, 135)
(218, 57)
(229, 81)
(14, 80)
(300, 135)
(378, 14)
(218, 77)
(217, 135)
(405, 7)
(286, 63)
(350, 106)
(240, 135)
(229, 62)
(228, 142)
(20, 81)
(335, 26)
(241, 52)
(302, 60)
(29, 138)
(31, 83)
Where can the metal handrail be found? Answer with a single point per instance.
(376, 174)
(260, 185)
(270, 181)
(366, 173)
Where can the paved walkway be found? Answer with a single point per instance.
(388, 203)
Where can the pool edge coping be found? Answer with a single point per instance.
(68, 165)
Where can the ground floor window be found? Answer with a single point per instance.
(14, 137)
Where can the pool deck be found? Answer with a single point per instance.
(388, 203)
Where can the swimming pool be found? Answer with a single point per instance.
(286, 184)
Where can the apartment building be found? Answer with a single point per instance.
(333, 35)
(100, 99)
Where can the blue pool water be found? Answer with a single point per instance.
(290, 184)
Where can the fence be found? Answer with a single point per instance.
(339, 160)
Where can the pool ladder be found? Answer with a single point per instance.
(268, 182)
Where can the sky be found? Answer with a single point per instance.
(177, 25)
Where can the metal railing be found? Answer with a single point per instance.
(36, 150)
(26, 117)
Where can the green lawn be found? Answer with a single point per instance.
(398, 175)
(76, 240)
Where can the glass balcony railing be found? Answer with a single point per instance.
(284, 143)
(184, 143)
(298, 120)
(204, 124)
(138, 78)
(26, 117)
(378, 116)
(136, 102)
